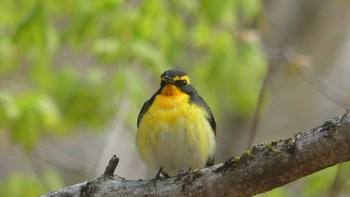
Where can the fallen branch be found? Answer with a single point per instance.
(262, 168)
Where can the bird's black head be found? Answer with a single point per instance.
(174, 82)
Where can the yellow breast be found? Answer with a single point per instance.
(175, 134)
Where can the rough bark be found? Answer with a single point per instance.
(262, 168)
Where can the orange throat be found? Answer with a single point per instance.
(171, 90)
(171, 97)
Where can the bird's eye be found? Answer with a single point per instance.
(181, 83)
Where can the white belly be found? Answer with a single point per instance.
(180, 148)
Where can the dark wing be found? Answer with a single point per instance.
(195, 98)
(143, 111)
(145, 107)
(212, 122)
(199, 100)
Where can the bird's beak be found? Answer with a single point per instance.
(169, 80)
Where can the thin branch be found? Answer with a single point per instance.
(315, 80)
(258, 108)
(262, 168)
(322, 86)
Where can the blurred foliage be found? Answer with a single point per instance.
(29, 185)
(318, 184)
(26, 116)
(65, 65)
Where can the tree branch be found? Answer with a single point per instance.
(262, 168)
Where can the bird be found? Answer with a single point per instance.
(176, 129)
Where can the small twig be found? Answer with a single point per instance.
(322, 87)
(258, 108)
(112, 164)
(315, 80)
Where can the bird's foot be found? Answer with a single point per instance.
(160, 175)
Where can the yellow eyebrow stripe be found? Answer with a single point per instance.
(177, 78)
